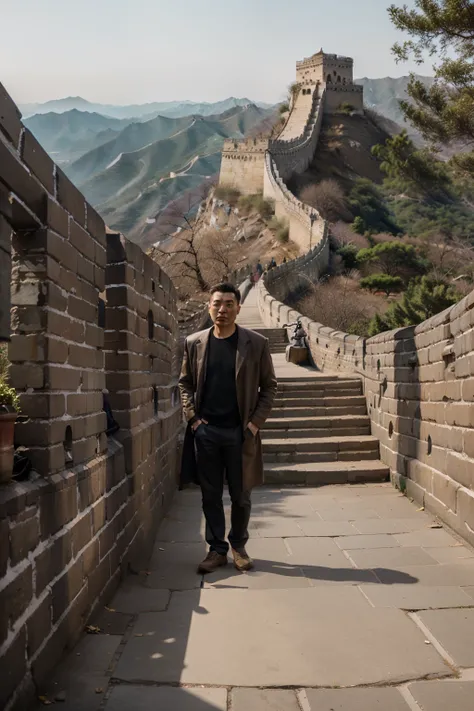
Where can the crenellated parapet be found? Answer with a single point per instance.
(255, 165)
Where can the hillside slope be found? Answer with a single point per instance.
(68, 135)
(344, 151)
(384, 95)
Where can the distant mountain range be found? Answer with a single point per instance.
(131, 170)
(136, 111)
(133, 161)
(384, 95)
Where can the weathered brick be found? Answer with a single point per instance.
(84, 449)
(81, 533)
(10, 117)
(15, 176)
(62, 378)
(14, 599)
(52, 560)
(13, 666)
(57, 218)
(57, 509)
(56, 297)
(96, 226)
(81, 240)
(39, 626)
(85, 269)
(26, 376)
(29, 347)
(98, 515)
(24, 537)
(71, 198)
(94, 336)
(85, 357)
(47, 460)
(68, 328)
(38, 161)
(65, 589)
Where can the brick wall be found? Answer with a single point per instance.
(93, 502)
(419, 385)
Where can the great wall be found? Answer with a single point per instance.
(70, 534)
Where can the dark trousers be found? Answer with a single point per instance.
(219, 455)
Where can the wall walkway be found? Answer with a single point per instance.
(419, 386)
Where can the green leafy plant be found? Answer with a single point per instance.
(284, 108)
(423, 298)
(348, 253)
(368, 202)
(393, 258)
(443, 111)
(382, 282)
(8, 397)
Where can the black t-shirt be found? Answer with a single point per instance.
(220, 406)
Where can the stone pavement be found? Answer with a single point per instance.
(359, 601)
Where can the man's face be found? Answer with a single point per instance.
(223, 308)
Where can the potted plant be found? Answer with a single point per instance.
(9, 407)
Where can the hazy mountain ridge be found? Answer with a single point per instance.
(68, 135)
(383, 95)
(136, 111)
(135, 185)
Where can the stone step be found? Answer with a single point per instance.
(319, 473)
(339, 422)
(322, 401)
(321, 444)
(354, 455)
(318, 411)
(310, 432)
(317, 381)
(328, 391)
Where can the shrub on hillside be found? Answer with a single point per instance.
(348, 254)
(393, 258)
(284, 108)
(4, 362)
(359, 226)
(328, 198)
(280, 228)
(367, 202)
(382, 282)
(227, 193)
(423, 298)
(263, 206)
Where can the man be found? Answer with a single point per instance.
(227, 387)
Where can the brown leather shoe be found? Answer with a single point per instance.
(211, 562)
(242, 560)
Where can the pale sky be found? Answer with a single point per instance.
(137, 51)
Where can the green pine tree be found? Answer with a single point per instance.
(444, 111)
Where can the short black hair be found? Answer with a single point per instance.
(226, 288)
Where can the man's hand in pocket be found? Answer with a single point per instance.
(253, 428)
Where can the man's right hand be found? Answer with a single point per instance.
(197, 423)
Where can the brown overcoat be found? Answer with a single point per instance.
(256, 387)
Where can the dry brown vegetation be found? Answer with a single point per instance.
(341, 304)
(328, 198)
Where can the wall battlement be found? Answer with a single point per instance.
(418, 382)
(256, 165)
(91, 315)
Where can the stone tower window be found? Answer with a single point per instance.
(338, 79)
(329, 79)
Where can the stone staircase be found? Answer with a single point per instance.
(319, 433)
(319, 430)
(277, 337)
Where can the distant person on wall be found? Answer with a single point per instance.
(227, 387)
(273, 263)
(258, 270)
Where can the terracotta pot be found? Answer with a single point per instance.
(7, 428)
